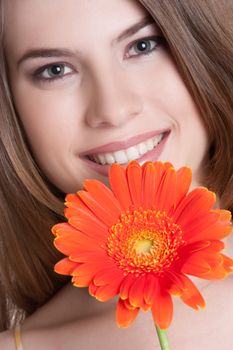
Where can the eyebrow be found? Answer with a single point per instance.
(144, 22)
(54, 52)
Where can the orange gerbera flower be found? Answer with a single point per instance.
(142, 239)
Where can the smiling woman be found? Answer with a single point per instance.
(81, 89)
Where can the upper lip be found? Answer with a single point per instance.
(120, 145)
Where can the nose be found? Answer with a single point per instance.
(113, 99)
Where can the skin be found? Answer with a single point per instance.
(106, 95)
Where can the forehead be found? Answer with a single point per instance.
(30, 22)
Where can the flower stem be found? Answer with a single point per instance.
(163, 339)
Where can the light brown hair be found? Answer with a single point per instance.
(199, 35)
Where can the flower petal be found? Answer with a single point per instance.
(90, 225)
(119, 185)
(184, 179)
(104, 214)
(191, 204)
(107, 292)
(70, 243)
(72, 200)
(125, 287)
(150, 288)
(195, 266)
(65, 266)
(124, 316)
(136, 292)
(107, 275)
(162, 309)
(104, 196)
(148, 185)
(82, 281)
(134, 178)
(167, 191)
(191, 295)
(212, 225)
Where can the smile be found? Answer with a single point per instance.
(125, 155)
(143, 148)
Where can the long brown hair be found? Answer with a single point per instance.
(28, 208)
(199, 35)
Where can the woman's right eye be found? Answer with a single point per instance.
(52, 72)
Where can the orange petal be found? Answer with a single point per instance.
(88, 268)
(167, 190)
(176, 282)
(124, 316)
(162, 309)
(201, 263)
(134, 178)
(89, 225)
(107, 275)
(227, 263)
(72, 200)
(125, 286)
(82, 281)
(160, 169)
(212, 225)
(104, 196)
(190, 248)
(83, 255)
(69, 243)
(198, 200)
(107, 292)
(150, 291)
(195, 266)
(136, 292)
(104, 214)
(119, 185)
(61, 226)
(148, 185)
(184, 179)
(65, 266)
(216, 273)
(191, 295)
(72, 211)
(92, 289)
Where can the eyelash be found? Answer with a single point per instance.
(37, 75)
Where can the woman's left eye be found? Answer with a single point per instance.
(144, 46)
(52, 72)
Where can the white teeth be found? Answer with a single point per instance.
(131, 153)
(142, 148)
(101, 158)
(157, 139)
(109, 158)
(150, 144)
(120, 157)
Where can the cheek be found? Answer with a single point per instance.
(168, 90)
(48, 118)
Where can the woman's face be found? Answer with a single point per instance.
(93, 83)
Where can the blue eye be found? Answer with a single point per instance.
(55, 71)
(52, 72)
(145, 46)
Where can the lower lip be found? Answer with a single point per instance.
(152, 155)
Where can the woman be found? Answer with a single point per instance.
(78, 87)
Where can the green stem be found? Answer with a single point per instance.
(163, 339)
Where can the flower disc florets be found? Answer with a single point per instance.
(144, 241)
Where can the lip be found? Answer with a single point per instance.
(152, 155)
(119, 145)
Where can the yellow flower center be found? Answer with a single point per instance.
(144, 241)
(143, 245)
